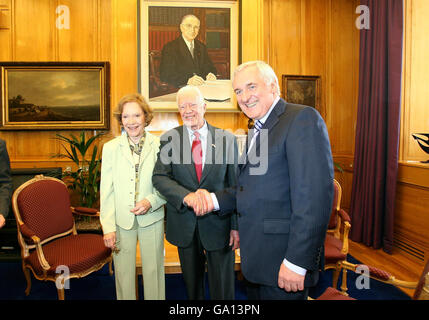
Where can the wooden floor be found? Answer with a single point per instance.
(397, 264)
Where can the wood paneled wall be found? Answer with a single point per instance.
(295, 37)
(100, 30)
(307, 37)
(313, 37)
(33, 36)
(412, 195)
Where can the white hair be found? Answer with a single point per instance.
(190, 89)
(188, 16)
(265, 71)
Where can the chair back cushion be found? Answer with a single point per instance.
(44, 207)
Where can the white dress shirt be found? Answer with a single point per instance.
(188, 44)
(203, 131)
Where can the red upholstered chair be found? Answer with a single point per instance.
(422, 286)
(50, 245)
(337, 239)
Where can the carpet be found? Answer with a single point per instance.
(101, 286)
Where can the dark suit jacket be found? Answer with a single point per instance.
(5, 180)
(177, 64)
(284, 212)
(176, 179)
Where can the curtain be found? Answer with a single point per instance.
(372, 203)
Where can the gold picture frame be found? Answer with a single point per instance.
(159, 25)
(54, 95)
(305, 90)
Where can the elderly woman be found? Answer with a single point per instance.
(131, 208)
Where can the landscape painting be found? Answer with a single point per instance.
(54, 96)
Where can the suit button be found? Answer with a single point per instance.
(239, 214)
(241, 188)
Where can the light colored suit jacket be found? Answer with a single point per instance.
(117, 188)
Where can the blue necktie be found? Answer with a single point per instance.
(257, 127)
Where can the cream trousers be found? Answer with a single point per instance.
(151, 241)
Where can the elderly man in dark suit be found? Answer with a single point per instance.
(198, 155)
(185, 60)
(284, 195)
(5, 183)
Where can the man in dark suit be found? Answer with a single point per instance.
(185, 60)
(198, 155)
(5, 183)
(284, 190)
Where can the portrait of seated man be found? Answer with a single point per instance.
(185, 60)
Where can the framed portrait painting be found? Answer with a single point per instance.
(188, 42)
(54, 95)
(304, 90)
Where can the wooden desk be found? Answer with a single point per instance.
(171, 259)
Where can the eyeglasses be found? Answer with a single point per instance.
(190, 26)
(193, 106)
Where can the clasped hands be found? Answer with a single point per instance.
(196, 80)
(201, 201)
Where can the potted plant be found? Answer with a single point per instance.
(85, 180)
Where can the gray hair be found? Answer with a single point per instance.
(190, 89)
(265, 71)
(188, 16)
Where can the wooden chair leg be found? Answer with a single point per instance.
(137, 286)
(344, 283)
(110, 267)
(335, 276)
(60, 293)
(27, 278)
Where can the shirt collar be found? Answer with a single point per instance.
(203, 131)
(188, 43)
(264, 118)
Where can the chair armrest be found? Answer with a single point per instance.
(378, 274)
(28, 234)
(344, 215)
(83, 211)
(345, 239)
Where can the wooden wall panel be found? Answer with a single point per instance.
(81, 41)
(320, 38)
(33, 28)
(412, 195)
(34, 36)
(415, 115)
(411, 211)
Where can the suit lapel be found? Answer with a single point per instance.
(272, 120)
(213, 142)
(184, 50)
(125, 149)
(147, 146)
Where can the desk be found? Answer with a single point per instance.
(171, 259)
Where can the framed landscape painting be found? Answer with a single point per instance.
(54, 95)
